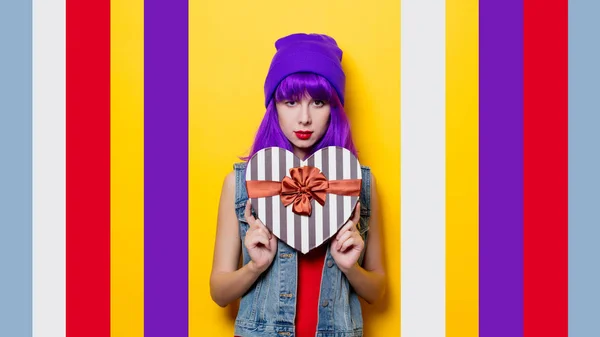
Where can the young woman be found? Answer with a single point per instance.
(285, 292)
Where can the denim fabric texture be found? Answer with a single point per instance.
(268, 308)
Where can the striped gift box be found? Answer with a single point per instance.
(302, 232)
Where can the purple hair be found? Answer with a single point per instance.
(295, 87)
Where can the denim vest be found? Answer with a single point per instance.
(268, 308)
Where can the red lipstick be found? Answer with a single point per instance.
(304, 135)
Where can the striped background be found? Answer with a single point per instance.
(302, 232)
(499, 181)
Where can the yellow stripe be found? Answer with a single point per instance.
(462, 168)
(230, 51)
(127, 168)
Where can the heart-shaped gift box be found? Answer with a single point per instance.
(303, 202)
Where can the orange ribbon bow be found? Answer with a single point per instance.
(306, 183)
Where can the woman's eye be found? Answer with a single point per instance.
(319, 103)
(290, 103)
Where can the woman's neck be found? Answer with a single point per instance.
(300, 153)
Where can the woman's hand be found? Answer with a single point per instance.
(347, 245)
(261, 244)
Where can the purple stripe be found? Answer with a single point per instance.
(501, 168)
(166, 168)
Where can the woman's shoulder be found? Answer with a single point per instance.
(229, 183)
(230, 178)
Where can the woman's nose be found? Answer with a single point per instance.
(305, 114)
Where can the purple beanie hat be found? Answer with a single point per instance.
(314, 53)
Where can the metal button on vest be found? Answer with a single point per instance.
(325, 303)
(329, 263)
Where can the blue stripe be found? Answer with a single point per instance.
(584, 168)
(15, 168)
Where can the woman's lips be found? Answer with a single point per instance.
(304, 135)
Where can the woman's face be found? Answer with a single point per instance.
(303, 122)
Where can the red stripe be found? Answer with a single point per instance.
(88, 168)
(546, 168)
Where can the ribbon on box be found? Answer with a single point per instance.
(305, 183)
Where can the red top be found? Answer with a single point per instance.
(310, 268)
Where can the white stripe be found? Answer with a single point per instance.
(346, 175)
(49, 181)
(289, 163)
(346, 166)
(304, 221)
(331, 168)
(249, 169)
(262, 202)
(318, 207)
(260, 157)
(276, 200)
(333, 221)
(318, 160)
(423, 168)
(304, 238)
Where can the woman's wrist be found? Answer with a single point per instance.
(353, 269)
(254, 269)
